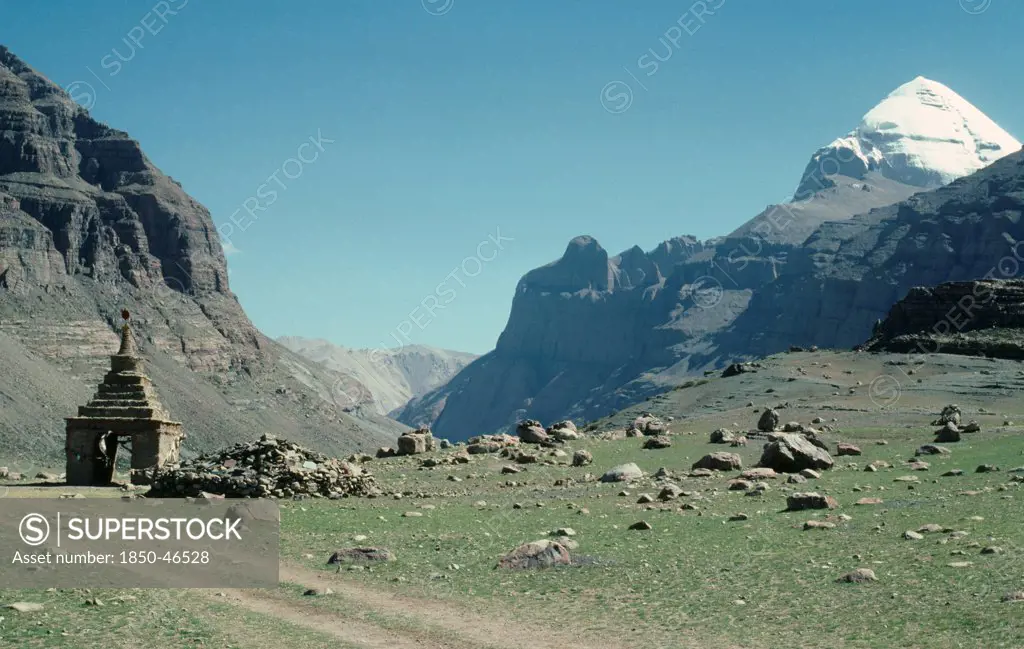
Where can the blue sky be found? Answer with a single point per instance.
(444, 123)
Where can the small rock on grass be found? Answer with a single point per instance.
(858, 576)
(24, 607)
(318, 592)
(641, 525)
(819, 525)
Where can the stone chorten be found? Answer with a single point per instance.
(124, 407)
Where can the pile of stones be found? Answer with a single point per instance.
(268, 468)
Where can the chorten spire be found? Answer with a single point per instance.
(128, 346)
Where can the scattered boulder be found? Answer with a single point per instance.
(810, 500)
(360, 555)
(530, 431)
(416, 442)
(24, 607)
(931, 449)
(657, 442)
(819, 525)
(950, 415)
(386, 451)
(670, 492)
(790, 453)
(948, 433)
(740, 485)
(972, 427)
(911, 535)
(641, 525)
(769, 421)
(739, 441)
(736, 369)
(582, 458)
(759, 473)
(986, 468)
(792, 427)
(722, 436)
(537, 554)
(623, 473)
(490, 443)
(847, 449)
(648, 424)
(719, 462)
(858, 576)
(564, 431)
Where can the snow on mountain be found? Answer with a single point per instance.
(392, 376)
(923, 134)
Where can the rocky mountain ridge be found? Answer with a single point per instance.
(591, 333)
(389, 377)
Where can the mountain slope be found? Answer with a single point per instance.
(588, 333)
(849, 274)
(390, 377)
(87, 226)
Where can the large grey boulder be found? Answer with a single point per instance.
(769, 421)
(792, 453)
(719, 462)
(532, 432)
(416, 442)
(622, 473)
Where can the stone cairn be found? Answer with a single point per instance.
(267, 468)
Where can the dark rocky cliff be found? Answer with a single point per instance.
(978, 318)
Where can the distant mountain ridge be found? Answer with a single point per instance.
(388, 378)
(590, 333)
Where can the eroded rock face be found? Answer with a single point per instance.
(88, 226)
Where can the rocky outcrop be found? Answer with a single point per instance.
(979, 318)
(88, 226)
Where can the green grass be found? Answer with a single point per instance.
(139, 618)
(684, 577)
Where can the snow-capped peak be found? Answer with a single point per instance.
(922, 134)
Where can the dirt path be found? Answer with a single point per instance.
(412, 622)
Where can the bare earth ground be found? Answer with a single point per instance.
(697, 579)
